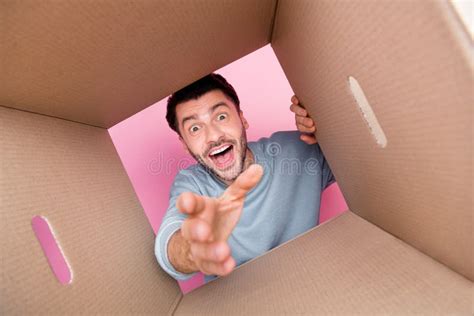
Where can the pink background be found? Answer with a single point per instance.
(152, 154)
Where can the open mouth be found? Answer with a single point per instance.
(223, 156)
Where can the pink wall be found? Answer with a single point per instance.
(152, 155)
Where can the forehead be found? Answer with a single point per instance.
(202, 105)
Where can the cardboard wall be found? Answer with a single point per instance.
(413, 59)
(71, 174)
(346, 266)
(98, 62)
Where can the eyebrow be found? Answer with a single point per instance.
(194, 116)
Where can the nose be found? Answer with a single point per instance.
(214, 134)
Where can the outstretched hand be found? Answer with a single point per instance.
(211, 221)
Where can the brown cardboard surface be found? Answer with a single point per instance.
(414, 62)
(346, 266)
(71, 174)
(99, 62)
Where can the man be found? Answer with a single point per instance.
(241, 199)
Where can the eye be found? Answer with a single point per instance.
(221, 116)
(193, 129)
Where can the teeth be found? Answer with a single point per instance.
(219, 150)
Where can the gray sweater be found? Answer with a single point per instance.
(284, 204)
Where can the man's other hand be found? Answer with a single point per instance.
(304, 122)
(211, 221)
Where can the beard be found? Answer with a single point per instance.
(231, 173)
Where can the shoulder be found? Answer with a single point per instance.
(280, 138)
(198, 179)
(287, 144)
(188, 179)
(285, 136)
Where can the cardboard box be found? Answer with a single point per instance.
(71, 69)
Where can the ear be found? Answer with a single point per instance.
(184, 144)
(244, 121)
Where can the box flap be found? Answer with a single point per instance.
(99, 62)
(413, 61)
(71, 174)
(344, 266)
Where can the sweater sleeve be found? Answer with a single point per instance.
(172, 221)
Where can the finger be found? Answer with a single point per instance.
(306, 121)
(245, 182)
(214, 252)
(218, 268)
(294, 100)
(298, 110)
(196, 230)
(305, 129)
(190, 203)
(308, 139)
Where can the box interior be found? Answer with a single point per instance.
(346, 266)
(72, 69)
(70, 173)
(412, 62)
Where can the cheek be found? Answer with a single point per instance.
(234, 130)
(200, 149)
(196, 146)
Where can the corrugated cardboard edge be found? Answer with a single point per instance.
(349, 266)
(52, 116)
(175, 304)
(460, 31)
(335, 219)
(291, 240)
(274, 21)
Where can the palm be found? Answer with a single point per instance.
(221, 214)
(226, 218)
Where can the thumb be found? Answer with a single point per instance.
(245, 182)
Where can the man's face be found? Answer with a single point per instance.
(213, 132)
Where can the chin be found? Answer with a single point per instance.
(228, 175)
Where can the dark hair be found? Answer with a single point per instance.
(195, 90)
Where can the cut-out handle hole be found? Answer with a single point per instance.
(51, 249)
(367, 112)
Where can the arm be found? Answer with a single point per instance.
(179, 251)
(171, 225)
